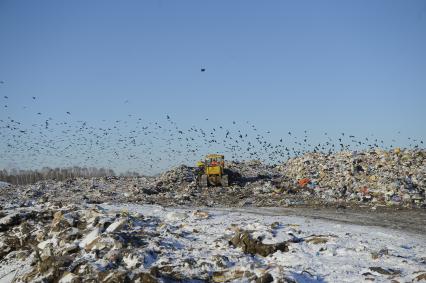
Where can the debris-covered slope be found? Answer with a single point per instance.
(133, 243)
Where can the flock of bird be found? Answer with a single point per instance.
(151, 146)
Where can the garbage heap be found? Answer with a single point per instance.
(177, 178)
(81, 244)
(376, 177)
(393, 177)
(242, 173)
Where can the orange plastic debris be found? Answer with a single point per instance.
(364, 190)
(303, 182)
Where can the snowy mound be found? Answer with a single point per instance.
(4, 184)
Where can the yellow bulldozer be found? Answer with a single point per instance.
(211, 171)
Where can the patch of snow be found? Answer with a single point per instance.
(115, 226)
(89, 238)
(131, 261)
(67, 278)
(42, 245)
(10, 267)
(176, 216)
(4, 184)
(328, 251)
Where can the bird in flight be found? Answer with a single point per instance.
(203, 69)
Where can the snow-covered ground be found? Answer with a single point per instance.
(331, 252)
(194, 244)
(4, 184)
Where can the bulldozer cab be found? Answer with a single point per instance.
(215, 158)
(212, 171)
(214, 164)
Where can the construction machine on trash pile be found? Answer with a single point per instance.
(211, 171)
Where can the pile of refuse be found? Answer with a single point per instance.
(81, 243)
(177, 178)
(53, 242)
(373, 178)
(377, 176)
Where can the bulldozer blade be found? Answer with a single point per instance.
(203, 181)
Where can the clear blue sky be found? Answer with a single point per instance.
(351, 66)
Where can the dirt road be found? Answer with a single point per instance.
(409, 220)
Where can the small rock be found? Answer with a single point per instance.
(221, 261)
(387, 271)
(317, 240)
(382, 252)
(144, 278)
(420, 277)
(265, 278)
(275, 225)
(201, 214)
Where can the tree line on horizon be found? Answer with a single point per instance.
(24, 177)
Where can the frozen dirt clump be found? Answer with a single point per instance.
(249, 245)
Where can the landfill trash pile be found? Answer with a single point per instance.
(176, 179)
(387, 177)
(145, 243)
(251, 171)
(377, 178)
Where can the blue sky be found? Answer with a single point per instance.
(322, 66)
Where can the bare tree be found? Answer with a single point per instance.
(22, 177)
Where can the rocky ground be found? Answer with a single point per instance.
(346, 217)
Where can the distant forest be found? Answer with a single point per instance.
(23, 177)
